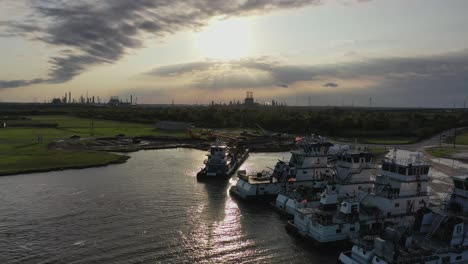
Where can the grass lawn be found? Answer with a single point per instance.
(69, 126)
(441, 152)
(21, 152)
(36, 157)
(462, 139)
(378, 151)
(389, 141)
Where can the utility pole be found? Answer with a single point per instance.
(454, 137)
(91, 131)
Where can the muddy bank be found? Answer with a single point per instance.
(125, 144)
(121, 159)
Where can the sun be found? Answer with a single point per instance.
(225, 39)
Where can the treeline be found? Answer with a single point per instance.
(331, 122)
(338, 122)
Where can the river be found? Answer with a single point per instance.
(148, 210)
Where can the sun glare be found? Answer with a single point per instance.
(225, 39)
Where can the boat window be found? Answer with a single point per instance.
(402, 170)
(356, 159)
(368, 158)
(458, 185)
(348, 159)
(352, 229)
(466, 185)
(411, 171)
(385, 166)
(338, 231)
(397, 205)
(426, 170)
(293, 159)
(393, 168)
(458, 258)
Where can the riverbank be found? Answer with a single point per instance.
(36, 157)
(49, 143)
(27, 143)
(91, 161)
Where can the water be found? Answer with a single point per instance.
(148, 210)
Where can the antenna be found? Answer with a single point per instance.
(91, 129)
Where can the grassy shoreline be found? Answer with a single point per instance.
(26, 148)
(119, 159)
(443, 152)
(29, 148)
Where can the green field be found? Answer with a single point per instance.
(462, 139)
(441, 152)
(378, 151)
(389, 141)
(20, 150)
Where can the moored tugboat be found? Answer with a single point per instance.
(307, 167)
(436, 237)
(354, 170)
(222, 162)
(398, 193)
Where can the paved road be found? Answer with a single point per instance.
(434, 141)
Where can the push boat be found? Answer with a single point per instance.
(436, 237)
(398, 193)
(222, 162)
(354, 170)
(307, 167)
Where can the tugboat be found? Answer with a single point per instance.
(307, 167)
(354, 170)
(222, 162)
(398, 193)
(437, 237)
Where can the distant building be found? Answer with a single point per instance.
(115, 101)
(172, 125)
(249, 99)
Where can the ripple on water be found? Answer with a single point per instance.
(148, 210)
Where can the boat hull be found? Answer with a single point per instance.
(204, 176)
(290, 227)
(236, 193)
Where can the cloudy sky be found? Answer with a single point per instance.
(337, 52)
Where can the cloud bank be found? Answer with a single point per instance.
(422, 80)
(98, 32)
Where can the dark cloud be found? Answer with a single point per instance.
(330, 84)
(179, 69)
(19, 83)
(103, 31)
(423, 80)
(437, 67)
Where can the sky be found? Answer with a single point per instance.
(329, 52)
